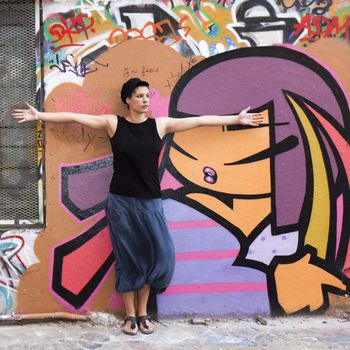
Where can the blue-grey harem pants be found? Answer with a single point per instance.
(142, 245)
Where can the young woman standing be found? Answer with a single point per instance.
(142, 244)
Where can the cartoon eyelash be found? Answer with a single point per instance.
(283, 146)
(242, 127)
(181, 150)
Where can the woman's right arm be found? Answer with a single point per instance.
(104, 121)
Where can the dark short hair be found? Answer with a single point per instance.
(129, 86)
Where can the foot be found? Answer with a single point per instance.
(146, 326)
(130, 325)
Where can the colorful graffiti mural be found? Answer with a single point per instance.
(16, 256)
(249, 223)
(253, 212)
(279, 189)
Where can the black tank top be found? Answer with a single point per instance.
(136, 149)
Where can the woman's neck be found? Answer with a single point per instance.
(136, 117)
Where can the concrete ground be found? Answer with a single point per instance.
(103, 332)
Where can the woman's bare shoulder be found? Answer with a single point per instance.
(161, 123)
(112, 124)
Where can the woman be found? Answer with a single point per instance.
(142, 244)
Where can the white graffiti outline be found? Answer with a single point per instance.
(93, 5)
(16, 255)
(261, 12)
(5, 258)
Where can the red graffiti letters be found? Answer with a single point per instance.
(66, 31)
(322, 27)
(153, 31)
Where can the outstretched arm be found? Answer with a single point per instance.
(93, 121)
(182, 124)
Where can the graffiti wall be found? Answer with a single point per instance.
(16, 247)
(259, 216)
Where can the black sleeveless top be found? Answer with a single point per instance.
(136, 149)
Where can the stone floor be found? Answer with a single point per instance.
(103, 332)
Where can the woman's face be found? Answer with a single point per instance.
(139, 100)
(205, 155)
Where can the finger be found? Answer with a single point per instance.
(253, 122)
(333, 281)
(20, 110)
(28, 105)
(246, 110)
(21, 121)
(17, 116)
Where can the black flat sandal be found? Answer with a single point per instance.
(141, 320)
(133, 325)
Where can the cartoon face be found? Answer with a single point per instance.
(222, 158)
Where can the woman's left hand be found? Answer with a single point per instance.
(253, 119)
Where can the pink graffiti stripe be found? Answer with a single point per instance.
(192, 224)
(206, 255)
(169, 181)
(344, 152)
(82, 264)
(216, 288)
(339, 142)
(340, 214)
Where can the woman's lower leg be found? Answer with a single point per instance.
(130, 310)
(143, 295)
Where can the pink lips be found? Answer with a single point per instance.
(210, 175)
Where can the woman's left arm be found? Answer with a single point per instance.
(181, 124)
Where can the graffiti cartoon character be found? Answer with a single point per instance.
(281, 189)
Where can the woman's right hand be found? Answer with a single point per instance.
(26, 115)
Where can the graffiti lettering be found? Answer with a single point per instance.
(214, 28)
(79, 69)
(16, 255)
(184, 67)
(83, 137)
(142, 71)
(93, 5)
(39, 139)
(193, 4)
(64, 31)
(322, 27)
(77, 100)
(150, 31)
(319, 7)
